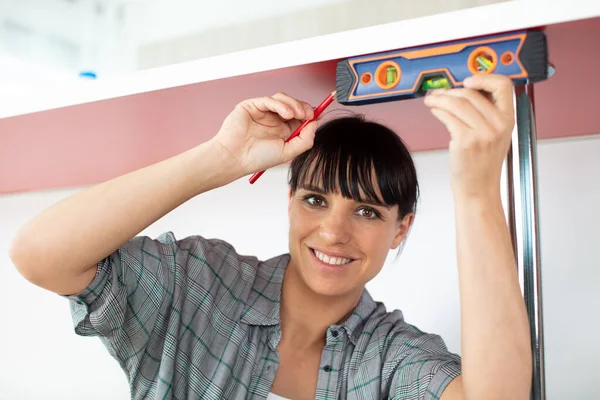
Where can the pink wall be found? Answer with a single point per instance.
(89, 143)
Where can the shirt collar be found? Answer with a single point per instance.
(263, 305)
(355, 323)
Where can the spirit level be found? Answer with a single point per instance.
(410, 73)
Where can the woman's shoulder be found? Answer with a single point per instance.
(404, 357)
(204, 258)
(395, 336)
(195, 246)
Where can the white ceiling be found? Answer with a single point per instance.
(75, 35)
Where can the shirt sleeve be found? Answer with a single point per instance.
(130, 300)
(425, 367)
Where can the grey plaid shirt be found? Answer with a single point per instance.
(192, 319)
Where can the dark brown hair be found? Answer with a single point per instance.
(345, 154)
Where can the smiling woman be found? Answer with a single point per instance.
(192, 318)
(353, 198)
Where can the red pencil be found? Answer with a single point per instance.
(320, 108)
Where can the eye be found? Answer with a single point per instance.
(314, 200)
(368, 213)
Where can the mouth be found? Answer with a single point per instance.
(331, 262)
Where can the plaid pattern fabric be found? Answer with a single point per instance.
(192, 319)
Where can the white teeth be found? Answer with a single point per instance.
(331, 260)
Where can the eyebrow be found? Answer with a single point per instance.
(311, 188)
(320, 190)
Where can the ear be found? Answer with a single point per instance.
(402, 229)
(290, 200)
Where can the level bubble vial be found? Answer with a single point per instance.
(435, 82)
(387, 75)
(482, 60)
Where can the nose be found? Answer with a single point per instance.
(335, 228)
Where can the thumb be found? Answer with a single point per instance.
(300, 143)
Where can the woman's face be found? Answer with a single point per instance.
(338, 244)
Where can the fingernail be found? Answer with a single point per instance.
(468, 80)
(433, 92)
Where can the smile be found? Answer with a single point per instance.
(331, 260)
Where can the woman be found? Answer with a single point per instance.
(191, 318)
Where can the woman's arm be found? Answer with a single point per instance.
(59, 248)
(495, 330)
(497, 361)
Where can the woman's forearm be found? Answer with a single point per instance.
(497, 362)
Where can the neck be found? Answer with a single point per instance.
(306, 315)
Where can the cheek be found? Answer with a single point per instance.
(377, 241)
(377, 246)
(301, 222)
(374, 245)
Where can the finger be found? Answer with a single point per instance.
(286, 132)
(302, 110)
(500, 87)
(451, 123)
(259, 107)
(300, 143)
(294, 124)
(480, 102)
(460, 108)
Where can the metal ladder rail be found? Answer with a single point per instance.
(523, 218)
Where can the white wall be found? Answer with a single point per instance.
(113, 37)
(161, 20)
(41, 357)
(60, 34)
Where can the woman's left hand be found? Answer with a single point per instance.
(480, 119)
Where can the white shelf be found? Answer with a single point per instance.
(500, 17)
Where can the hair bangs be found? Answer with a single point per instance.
(360, 160)
(340, 172)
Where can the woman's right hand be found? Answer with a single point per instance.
(254, 133)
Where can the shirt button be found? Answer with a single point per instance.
(327, 368)
(335, 333)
